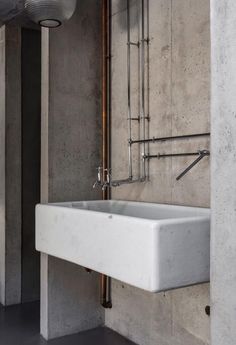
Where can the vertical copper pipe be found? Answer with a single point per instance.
(104, 92)
(105, 282)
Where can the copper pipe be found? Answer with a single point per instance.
(105, 282)
(104, 92)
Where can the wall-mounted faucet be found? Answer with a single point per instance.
(107, 179)
(98, 182)
(103, 178)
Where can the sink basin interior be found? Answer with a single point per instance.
(138, 210)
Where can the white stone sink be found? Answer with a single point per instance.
(151, 246)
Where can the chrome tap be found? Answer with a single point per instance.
(107, 179)
(98, 182)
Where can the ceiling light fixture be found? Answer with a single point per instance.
(50, 13)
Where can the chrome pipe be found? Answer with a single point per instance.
(106, 182)
(201, 154)
(118, 183)
(167, 155)
(129, 94)
(148, 87)
(142, 93)
(170, 138)
(133, 44)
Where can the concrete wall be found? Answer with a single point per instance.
(223, 242)
(71, 145)
(10, 166)
(179, 104)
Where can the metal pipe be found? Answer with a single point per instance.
(129, 93)
(202, 154)
(133, 44)
(177, 137)
(166, 155)
(105, 181)
(148, 85)
(105, 282)
(130, 118)
(142, 93)
(109, 80)
(117, 183)
(105, 129)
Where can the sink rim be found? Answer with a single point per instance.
(69, 205)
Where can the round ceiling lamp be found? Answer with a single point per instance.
(50, 13)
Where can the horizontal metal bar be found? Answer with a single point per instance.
(171, 155)
(117, 183)
(147, 40)
(137, 44)
(134, 119)
(184, 154)
(177, 137)
(138, 118)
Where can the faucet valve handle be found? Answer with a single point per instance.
(95, 184)
(99, 170)
(108, 175)
(99, 177)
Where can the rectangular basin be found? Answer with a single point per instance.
(154, 247)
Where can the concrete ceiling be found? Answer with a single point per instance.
(10, 9)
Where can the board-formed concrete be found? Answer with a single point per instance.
(179, 104)
(71, 151)
(10, 165)
(223, 242)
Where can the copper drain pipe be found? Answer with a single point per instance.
(105, 282)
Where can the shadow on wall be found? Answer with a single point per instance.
(121, 6)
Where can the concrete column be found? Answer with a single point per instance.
(223, 238)
(2, 164)
(71, 147)
(10, 165)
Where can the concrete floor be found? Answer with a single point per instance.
(19, 325)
